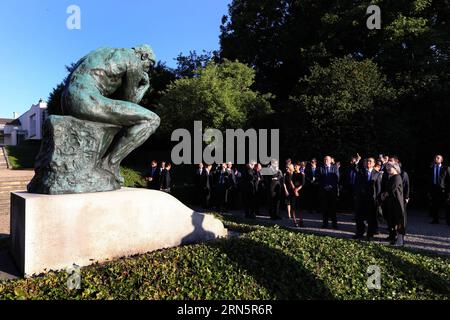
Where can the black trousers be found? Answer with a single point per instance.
(437, 201)
(274, 207)
(329, 202)
(366, 210)
(248, 200)
(206, 198)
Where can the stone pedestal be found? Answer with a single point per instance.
(53, 232)
(71, 159)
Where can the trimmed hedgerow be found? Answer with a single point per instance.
(263, 263)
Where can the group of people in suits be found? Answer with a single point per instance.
(158, 177)
(372, 188)
(379, 188)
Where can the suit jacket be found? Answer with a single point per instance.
(165, 179)
(276, 182)
(447, 181)
(249, 181)
(365, 188)
(329, 180)
(406, 185)
(443, 177)
(206, 180)
(154, 174)
(198, 176)
(311, 176)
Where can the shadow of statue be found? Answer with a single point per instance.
(413, 272)
(199, 233)
(283, 276)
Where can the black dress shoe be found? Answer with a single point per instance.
(357, 237)
(335, 226)
(324, 226)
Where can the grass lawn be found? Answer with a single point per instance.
(262, 263)
(23, 155)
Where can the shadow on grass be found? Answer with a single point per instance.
(413, 272)
(284, 277)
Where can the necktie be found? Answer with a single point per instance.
(436, 179)
(368, 175)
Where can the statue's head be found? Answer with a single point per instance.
(145, 53)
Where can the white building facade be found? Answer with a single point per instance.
(25, 127)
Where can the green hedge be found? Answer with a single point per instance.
(264, 263)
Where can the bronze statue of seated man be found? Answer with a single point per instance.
(106, 86)
(101, 123)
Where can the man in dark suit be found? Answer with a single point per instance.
(329, 183)
(220, 187)
(311, 188)
(348, 181)
(206, 182)
(198, 183)
(367, 192)
(447, 191)
(166, 179)
(249, 190)
(259, 188)
(152, 176)
(437, 194)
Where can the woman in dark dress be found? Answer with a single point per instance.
(289, 192)
(395, 204)
(298, 180)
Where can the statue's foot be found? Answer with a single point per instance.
(115, 170)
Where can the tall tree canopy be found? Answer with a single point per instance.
(218, 94)
(282, 39)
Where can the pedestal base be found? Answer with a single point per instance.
(53, 232)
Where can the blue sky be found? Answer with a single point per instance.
(36, 44)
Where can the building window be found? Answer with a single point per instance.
(33, 125)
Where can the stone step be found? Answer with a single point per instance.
(13, 181)
(10, 186)
(7, 182)
(7, 194)
(13, 188)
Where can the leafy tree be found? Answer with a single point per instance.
(218, 94)
(160, 77)
(282, 39)
(188, 66)
(54, 98)
(339, 108)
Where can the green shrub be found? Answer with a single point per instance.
(133, 178)
(264, 263)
